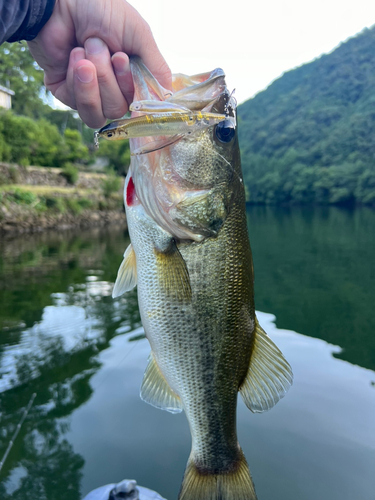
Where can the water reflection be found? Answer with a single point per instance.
(49, 345)
(319, 442)
(315, 270)
(63, 337)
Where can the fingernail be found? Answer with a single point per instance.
(121, 67)
(78, 54)
(85, 74)
(94, 45)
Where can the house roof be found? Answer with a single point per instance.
(6, 90)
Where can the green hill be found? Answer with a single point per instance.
(310, 136)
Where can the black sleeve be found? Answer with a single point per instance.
(23, 19)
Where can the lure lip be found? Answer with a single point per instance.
(111, 126)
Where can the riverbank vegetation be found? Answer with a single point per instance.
(51, 174)
(33, 199)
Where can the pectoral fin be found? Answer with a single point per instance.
(173, 274)
(204, 212)
(127, 273)
(156, 391)
(269, 376)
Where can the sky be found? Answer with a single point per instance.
(254, 42)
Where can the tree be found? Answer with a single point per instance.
(38, 142)
(117, 153)
(19, 133)
(20, 73)
(76, 151)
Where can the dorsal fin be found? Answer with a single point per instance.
(127, 273)
(269, 376)
(156, 391)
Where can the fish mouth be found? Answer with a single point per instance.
(157, 111)
(196, 93)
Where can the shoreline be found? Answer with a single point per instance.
(87, 219)
(36, 199)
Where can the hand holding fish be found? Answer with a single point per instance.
(83, 49)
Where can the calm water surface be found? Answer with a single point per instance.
(83, 354)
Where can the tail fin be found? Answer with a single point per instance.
(232, 485)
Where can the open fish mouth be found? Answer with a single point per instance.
(159, 112)
(168, 132)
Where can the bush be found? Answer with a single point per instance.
(71, 173)
(25, 141)
(75, 150)
(47, 149)
(5, 149)
(117, 154)
(14, 175)
(22, 197)
(19, 134)
(56, 203)
(111, 184)
(73, 205)
(85, 203)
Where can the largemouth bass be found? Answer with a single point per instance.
(191, 259)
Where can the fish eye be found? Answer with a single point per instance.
(225, 131)
(109, 134)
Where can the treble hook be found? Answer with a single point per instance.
(231, 104)
(96, 139)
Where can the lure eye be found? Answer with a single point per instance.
(225, 131)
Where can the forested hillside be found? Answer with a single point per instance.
(310, 136)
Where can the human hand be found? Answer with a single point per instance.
(84, 49)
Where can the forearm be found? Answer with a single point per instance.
(23, 19)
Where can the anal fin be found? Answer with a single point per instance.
(269, 376)
(127, 273)
(156, 391)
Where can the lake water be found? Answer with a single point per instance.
(83, 354)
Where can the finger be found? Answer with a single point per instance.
(77, 54)
(87, 95)
(145, 46)
(121, 66)
(114, 104)
(138, 40)
(64, 90)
